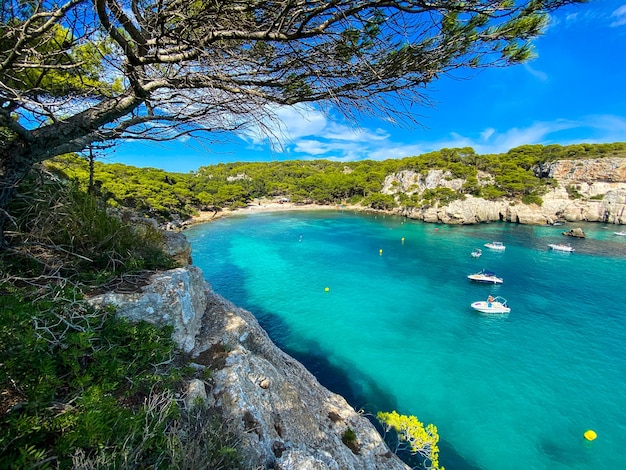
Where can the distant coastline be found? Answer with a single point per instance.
(267, 205)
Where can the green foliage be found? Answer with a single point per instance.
(81, 388)
(230, 185)
(73, 373)
(348, 436)
(83, 241)
(491, 192)
(441, 196)
(350, 440)
(572, 192)
(60, 65)
(532, 199)
(420, 439)
(379, 201)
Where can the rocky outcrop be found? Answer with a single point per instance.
(177, 246)
(575, 232)
(586, 190)
(282, 416)
(411, 182)
(592, 171)
(176, 297)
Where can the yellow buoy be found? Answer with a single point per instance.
(326, 290)
(403, 239)
(380, 251)
(590, 435)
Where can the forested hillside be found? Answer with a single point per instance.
(230, 185)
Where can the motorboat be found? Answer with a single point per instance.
(486, 276)
(621, 234)
(476, 253)
(492, 305)
(495, 246)
(560, 247)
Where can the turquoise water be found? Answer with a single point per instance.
(395, 330)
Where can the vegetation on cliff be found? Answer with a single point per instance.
(231, 185)
(81, 388)
(413, 436)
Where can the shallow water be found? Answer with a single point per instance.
(395, 330)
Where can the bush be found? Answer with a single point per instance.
(79, 387)
(77, 377)
(532, 199)
(63, 232)
(572, 192)
(379, 201)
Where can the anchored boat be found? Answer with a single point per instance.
(492, 305)
(486, 276)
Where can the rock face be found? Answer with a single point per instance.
(586, 190)
(177, 247)
(283, 418)
(176, 297)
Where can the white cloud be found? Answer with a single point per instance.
(288, 123)
(620, 15)
(589, 129)
(308, 134)
(484, 135)
(536, 73)
(341, 132)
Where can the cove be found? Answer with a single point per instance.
(395, 329)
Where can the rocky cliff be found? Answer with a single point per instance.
(586, 190)
(282, 416)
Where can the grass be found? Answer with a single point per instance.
(80, 387)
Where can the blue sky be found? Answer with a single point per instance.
(573, 92)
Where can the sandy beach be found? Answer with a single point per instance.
(268, 205)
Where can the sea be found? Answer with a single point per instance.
(378, 309)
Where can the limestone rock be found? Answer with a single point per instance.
(411, 182)
(284, 417)
(585, 171)
(575, 232)
(176, 297)
(196, 393)
(599, 186)
(178, 247)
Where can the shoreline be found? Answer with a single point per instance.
(266, 206)
(271, 205)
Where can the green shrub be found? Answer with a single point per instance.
(75, 371)
(379, 201)
(442, 196)
(572, 192)
(532, 199)
(61, 230)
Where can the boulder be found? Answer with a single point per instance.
(575, 232)
(176, 297)
(178, 247)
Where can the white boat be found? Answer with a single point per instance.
(492, 305)
(621, 234)
(560, 247)
(476, 253)
(486, 276)
(495, 246)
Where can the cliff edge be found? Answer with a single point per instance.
(591, 190)
(282, 416)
